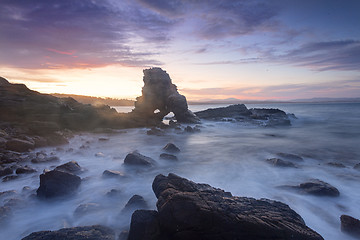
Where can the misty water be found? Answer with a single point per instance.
(226, 155)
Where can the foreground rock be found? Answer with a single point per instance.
(187, 210)
(137, 159)
(239, 112)
(160, 97)
(350, 225)
(57, 184)
(96, 232)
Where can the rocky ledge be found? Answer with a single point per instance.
(187, 210)
(239, 112)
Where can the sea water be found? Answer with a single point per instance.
(227, 155)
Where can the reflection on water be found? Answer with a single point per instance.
(227, 155)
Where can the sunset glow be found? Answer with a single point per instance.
(211, 49)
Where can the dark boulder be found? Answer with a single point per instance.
(350, 225)
(5, 171)
(25, 169)
(96, 232)
(232, 111)
(318, 188)
(57, 184)
(137, 159)
(172, 148)
(187, 210)
(70, 167)
(167, 156)
(280, 163)
(135, 202)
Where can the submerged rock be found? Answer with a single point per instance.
(70, 167)
(290, 156)
(5, 214)
(96, 232)
(5, 171)
(350, 225)
(57, 184)
(137, 159)
(187, 210)
(172, 148)
(277, 162)
(357, 166)
(167, 156)
(86, 208)
(24, 170)
(318, 188)
(335, 164)
(113, 174)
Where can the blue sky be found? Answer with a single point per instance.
(212, 49)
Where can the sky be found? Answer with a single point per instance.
(214, 49)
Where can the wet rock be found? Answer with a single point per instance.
(160, 97)
(156, 132)
(144, 225)
(350, 225)
(280, 163)
(19, 145)
(5, 171)
(44, 159)
(135, 202)
(137, 159)
(335, 164)
(290, 156)
(113, 174)
(172, 148)
(318, 188)
(187, 210)
(96, 232)
(113, 193)
(357, 166)
(9, 178)
(57, 184)
(167, 156)
(86, 208)
(5, 214)
(70, 167)
(25, 170)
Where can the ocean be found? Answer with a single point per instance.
(227, 155)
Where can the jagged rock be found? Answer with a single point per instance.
(318, 188)
(137, 159)
(290, 156)
(70, 167)
(86, 208)
(187, 210)
(167, 156)
(135, 202)
(160, 97)
(280, 163)
(113, 174)
(19, 145)
(350, 225)
(170, 147)
(144, 225)
(96, 232)
(26, 169)
(57, 184)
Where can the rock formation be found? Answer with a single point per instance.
(187, 210)
(160, 97)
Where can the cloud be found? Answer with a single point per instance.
(324, 56)
(40, 33)
(349, 88)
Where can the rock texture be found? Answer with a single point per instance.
(160, 97)
(187, 210)
(57, 184)
(96, 232)
(350, 225)
(137, 159)
(239, 112)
